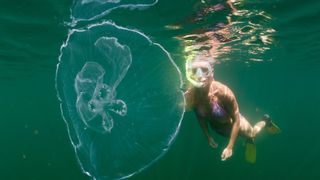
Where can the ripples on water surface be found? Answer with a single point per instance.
(267, 51)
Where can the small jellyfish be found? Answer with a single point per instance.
(120, 97)
(86, 10)
(99, 1)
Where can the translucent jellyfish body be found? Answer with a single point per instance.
(84, 10)
(120, 97)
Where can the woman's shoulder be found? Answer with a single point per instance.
(217, 85)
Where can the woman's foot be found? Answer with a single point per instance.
(271, 127)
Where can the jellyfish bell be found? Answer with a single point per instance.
(121, 109)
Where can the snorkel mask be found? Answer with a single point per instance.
(198, 72)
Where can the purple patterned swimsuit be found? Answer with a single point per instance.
(218, 111)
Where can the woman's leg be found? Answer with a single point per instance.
(249, 131)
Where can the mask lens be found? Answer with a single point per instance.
(200, 72)
(205, 71)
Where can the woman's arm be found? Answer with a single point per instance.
(189, 97)
(235, 116)
(205, 129)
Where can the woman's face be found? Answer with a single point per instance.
(200, 73)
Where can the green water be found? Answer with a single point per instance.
(34, 137)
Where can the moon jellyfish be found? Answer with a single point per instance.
(92, 9)
(120, 98)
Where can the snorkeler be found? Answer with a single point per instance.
(216, 105)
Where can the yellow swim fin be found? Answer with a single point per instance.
(250, 152)
(272, 128)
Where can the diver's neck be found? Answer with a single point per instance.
(202, 90)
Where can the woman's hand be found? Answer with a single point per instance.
(212, 143)
(226, 153)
